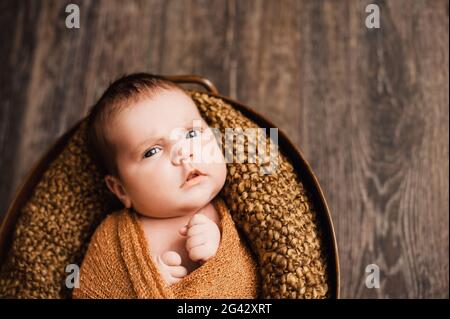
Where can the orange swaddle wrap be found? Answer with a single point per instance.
(118, 264)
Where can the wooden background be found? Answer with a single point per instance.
(369, 108)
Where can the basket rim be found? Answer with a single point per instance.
(292, 152)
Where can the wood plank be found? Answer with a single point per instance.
(16, 53)
(369, 108)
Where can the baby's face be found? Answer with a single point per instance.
(155, 141)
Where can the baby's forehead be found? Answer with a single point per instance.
(169, 105)
(157, 115)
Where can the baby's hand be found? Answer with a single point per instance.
(203, 238)
(169, 265)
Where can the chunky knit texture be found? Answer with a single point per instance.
(118, 265)
(273, 211)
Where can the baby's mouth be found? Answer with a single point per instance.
(192, 175)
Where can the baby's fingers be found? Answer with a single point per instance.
(195, 241)
(178, 271)
(199, 253)
(198, 219)
(171, 258)
(183, 230)
(196, 230)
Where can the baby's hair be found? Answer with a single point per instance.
(120, 94)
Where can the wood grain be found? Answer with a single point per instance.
(368, 107)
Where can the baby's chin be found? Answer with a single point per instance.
(195, 199)
(184, 204)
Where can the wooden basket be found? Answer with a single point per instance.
(302, 168)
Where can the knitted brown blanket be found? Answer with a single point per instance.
(118, 265)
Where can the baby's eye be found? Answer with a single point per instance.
(192, 133)
(152, 152)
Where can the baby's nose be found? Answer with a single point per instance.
(182, 152)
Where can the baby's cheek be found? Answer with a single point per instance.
(220, 174)
(210, 150)
(150, 186)
(216, 159)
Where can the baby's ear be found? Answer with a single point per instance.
(115, 186)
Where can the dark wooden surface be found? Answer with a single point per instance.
(369, 108)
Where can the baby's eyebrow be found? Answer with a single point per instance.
(192, 121)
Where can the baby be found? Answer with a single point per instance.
(143, 131)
